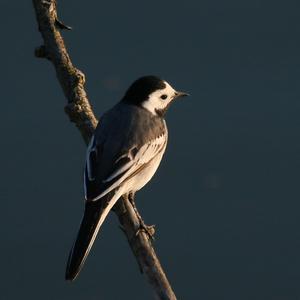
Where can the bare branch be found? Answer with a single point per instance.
(80, 112)
(71, 79)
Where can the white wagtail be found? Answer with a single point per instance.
(123, 154)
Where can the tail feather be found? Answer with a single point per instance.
(94, 216)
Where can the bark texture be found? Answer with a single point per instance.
(80, 112)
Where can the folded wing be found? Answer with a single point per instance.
(122, 168)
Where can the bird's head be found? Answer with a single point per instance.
(153, 94)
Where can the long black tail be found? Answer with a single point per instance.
(93, 217)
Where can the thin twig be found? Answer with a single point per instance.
(80, 112)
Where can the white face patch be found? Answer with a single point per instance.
(159, 99)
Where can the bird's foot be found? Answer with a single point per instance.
(148, 229)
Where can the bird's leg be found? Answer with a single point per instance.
(148, 229)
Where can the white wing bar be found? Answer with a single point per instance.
(144, 155)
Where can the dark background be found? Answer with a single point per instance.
(226, 197)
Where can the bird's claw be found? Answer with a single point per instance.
(148, 229)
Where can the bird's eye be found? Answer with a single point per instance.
(164, 96)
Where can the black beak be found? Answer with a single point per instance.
(180, 94)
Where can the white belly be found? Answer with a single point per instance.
(141, 178)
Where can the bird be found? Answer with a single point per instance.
(122, 156)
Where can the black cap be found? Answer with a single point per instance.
(140, 90)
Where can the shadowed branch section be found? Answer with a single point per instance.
(80, 112)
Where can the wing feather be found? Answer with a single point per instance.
(91, 157)
(130, 163)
